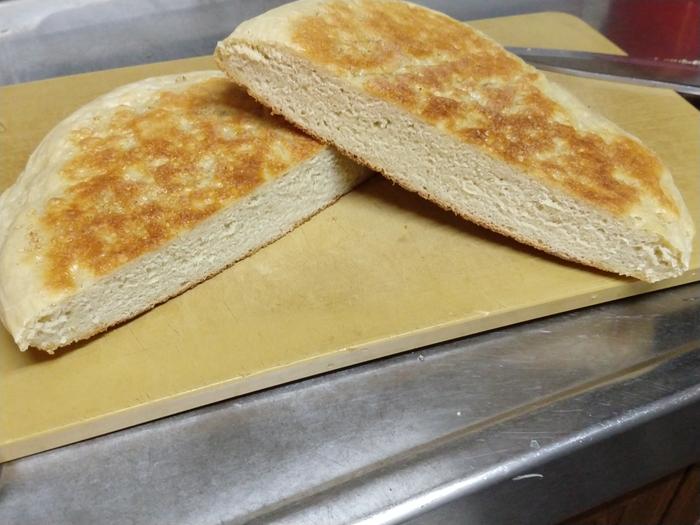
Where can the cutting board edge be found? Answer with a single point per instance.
(308, 368)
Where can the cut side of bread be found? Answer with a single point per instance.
(446, 112)
(144, 193)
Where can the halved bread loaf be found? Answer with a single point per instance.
(145, 192)
(446, 112)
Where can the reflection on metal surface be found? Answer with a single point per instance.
(381, 442)
(40, 39)
(682, 77)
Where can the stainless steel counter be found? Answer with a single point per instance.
(528, 424)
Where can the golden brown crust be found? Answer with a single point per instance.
(99, 329)
(444, 205)
(452, 77)
(145, 176)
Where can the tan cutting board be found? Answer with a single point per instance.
(379, 272)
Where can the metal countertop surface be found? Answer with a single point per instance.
(527, 424)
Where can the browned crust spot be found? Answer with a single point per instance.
(446, 74)
(99, 329)
(539, 244)
(141, 178)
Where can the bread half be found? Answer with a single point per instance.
(445, 111)
(145, 192)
